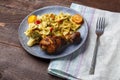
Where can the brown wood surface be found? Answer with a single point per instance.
(15, 62)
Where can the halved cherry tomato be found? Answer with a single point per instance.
(37, 21)
(77, 18)
(32, 18)
(51, 28)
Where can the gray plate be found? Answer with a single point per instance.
(36, 50)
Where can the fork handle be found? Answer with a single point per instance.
(93, 64)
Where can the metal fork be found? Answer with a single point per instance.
(99, 31)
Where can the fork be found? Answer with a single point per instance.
(99, 31)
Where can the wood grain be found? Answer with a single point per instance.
(15, 62)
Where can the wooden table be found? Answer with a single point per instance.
(15, 62)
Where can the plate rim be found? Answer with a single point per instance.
(33, 53)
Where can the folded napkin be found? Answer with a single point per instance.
(77, 65)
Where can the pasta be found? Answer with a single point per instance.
(50, 24)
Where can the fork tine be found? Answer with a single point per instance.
(97, 24)
(100, 23)
(103, 24)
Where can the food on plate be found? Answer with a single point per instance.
(52, 44)
(52, 31)
(32, 18)
(77, 18)
(74, 38)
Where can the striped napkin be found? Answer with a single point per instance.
(77, 65)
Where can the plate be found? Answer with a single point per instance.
(36, 50)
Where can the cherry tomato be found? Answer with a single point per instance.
(32, 18)
(37, 22)
(51, 28)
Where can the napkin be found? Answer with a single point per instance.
(77, 65)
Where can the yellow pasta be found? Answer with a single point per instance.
(50, 24)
